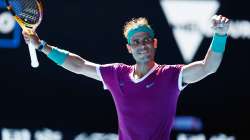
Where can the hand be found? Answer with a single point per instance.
(31, 37)
(220, 24)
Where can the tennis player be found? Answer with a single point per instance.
(146, 93)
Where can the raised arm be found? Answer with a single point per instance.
(198, 70)
(67, 60)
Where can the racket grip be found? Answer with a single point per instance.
(33, 56)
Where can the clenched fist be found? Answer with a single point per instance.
(33, 38)
(220, 24)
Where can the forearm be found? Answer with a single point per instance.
(198, 70)
(212, 61)
(67, 60)
(215, 53)
(71, 62)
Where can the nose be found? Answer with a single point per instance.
(143, 46)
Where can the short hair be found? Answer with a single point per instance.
(133, 23)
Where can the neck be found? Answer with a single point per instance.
(143, 69)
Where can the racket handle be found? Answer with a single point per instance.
(33, 56)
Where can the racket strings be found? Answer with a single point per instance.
(27, 10)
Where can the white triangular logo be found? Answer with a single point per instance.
(188, 18)
(188, 42)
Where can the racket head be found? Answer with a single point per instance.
(28, 13)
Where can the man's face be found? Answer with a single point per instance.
(142, 47)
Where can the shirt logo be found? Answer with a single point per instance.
(150, 85)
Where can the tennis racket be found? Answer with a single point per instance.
(28, 14)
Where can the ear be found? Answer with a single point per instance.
(129, 48)
(155, 43)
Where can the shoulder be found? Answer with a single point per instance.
(116, 66)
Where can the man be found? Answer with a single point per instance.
(146, 93)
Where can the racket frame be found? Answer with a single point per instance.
(28, 28)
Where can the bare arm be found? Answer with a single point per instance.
(198, 70)
(73, 62)
(76, 64)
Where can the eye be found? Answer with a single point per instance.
(136, 42)
(147, 40)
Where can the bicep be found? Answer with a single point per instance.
(194, 72)
(90, 70)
